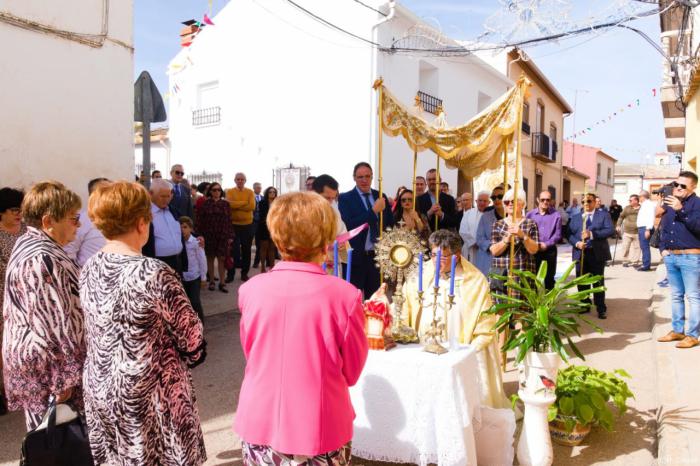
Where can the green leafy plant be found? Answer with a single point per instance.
(584, 395)
(543, 319)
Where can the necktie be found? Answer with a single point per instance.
(373, 227)
(588, 221)
(177, 190)
(368, 204)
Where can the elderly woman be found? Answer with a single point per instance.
(214, 224)
(525, 234)
(302, 333)
(11, 228)
(142, 335)
(43, 346)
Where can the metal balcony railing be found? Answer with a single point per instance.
(541, 146)
(429, 103)
(206, 116)
(526, 128)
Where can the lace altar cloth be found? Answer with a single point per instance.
(417, 407)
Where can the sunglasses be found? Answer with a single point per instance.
(680, 185)
(179, 173)
(215, 190)
(507, 203)
(499, 197)
(588, 201)
(407, 199)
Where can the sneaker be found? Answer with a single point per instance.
(663, 283)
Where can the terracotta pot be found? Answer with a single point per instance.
(557, 429)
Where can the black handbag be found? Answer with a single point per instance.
(57, 443)
(655, 238)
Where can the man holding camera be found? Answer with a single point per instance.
(680, 249)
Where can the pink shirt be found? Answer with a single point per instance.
(302, 333)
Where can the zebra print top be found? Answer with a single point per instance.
(43, 343)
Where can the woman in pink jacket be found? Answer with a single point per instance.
(302, 333)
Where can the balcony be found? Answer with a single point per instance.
(526, 128)
(206, 116)
(542, 148)
(430, 103)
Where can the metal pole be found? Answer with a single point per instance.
(379, 157)
(146, 148)
(415, 167)
(437, 189)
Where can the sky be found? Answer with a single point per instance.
(599, 74)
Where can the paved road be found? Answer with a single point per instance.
(625, 343)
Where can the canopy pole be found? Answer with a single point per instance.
(504, 354)
(437, 189)
(378, 84)
(415, 168)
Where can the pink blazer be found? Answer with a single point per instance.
(302, 333)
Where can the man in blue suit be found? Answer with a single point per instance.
(594, 244)
(358, 206)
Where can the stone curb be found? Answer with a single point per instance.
(672, 439)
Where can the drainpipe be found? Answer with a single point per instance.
(373, 75)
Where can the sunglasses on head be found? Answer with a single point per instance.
(497, 196)
(178, 173)
(680, 185)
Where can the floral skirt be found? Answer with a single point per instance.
(263, 455)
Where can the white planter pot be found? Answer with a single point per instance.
(534, 367)
(535, 444)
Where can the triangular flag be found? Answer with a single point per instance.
(206, 20)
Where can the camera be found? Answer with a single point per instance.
(664, 191)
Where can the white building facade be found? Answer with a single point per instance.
(269, 86)
(67, 92)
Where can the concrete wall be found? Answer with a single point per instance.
(604, 186)
(294, 91)
(692, 131)
(67, 107)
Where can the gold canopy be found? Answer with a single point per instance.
(473, 147)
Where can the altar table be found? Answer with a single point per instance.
(418, 407)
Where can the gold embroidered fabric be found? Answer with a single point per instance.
(473, 147)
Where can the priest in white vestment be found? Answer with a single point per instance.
(469, 225)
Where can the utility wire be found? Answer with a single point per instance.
(371, 8)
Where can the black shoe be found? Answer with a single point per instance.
(230, 278)
(3, 405)
(625, 264)
(244, 278)
(643, 269)
(603, 315)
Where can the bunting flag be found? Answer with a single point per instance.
(636, 103)
(347, 236)
(207, 21)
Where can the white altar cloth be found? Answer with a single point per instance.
(417, 407)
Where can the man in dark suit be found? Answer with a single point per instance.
(445, 209)
(181, 202)
(588, 233)
(165, 240)
(358, 206)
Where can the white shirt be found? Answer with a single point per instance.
(166, 231)
(88, 240)
(467, 230)
(196, 261)
(646, 215)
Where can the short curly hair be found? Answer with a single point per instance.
(301, 225)
(50, 198)
(116, 208)
(10, 198)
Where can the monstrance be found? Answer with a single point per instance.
(397, 256)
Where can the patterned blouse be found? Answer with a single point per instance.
(214, 223)
(43, 346)
(522, 260)
(141, 334)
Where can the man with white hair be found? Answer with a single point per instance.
(165, 241)
(470, 223)
(181, 201)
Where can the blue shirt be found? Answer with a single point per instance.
(166, 232)
(681, 229)
(369, 243)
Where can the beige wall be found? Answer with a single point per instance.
(604, 186)
(692, 133)
(577, 183)
(553, 114)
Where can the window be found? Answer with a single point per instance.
(609, 175)
(539, 118)
(621, 188)
(597, 172)
(553, 192)
(208, 111)
(526, 186)
(526, 118)
(553, 132)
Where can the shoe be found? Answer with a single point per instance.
(663, 283)
(212, 286)
(603, 315)
(244, 278)
(626, 264)
(671, 336)
(230, 278)
(688, 342)
(223, 289)
(3, 405)
(256, 265)
(643, 269)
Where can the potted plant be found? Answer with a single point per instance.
(541, 321)
(583, 400)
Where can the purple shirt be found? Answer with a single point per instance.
(549, 226)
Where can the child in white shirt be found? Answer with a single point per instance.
(195, 277)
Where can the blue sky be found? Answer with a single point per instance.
(610, 70)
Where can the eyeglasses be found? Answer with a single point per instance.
(75, 219)
(588, 201)
(407, 199)
(497, 196)
(680, 185)
(507, 203)
(178, 173)
(15, 210)
(215, 190)
(546, 199)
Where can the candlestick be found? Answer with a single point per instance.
(438, 259)
(347, 274)
(452, 274)
(335, 259)
(323, 266)
(420, 272)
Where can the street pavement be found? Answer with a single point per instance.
(626, 343)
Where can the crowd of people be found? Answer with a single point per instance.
(102, 308)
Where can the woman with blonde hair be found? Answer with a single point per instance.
(525, 234)
(143, 337)
(302, 333)
(44, 346)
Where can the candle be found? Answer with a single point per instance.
(437, 268)
(323, 266)
(452, 274)
(335, 259)
(420, 272)
(347, 274)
